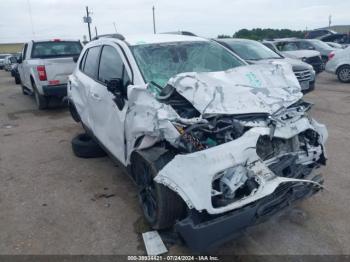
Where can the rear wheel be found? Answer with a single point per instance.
(344, 74)
(17, 80)
(41, 101)
(160, 205)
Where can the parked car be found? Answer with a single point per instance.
(2, 58)
(318, 33)
(15, 74)
(305, 44)
(255, 52)
(8, 62)
(342, 39)
(339, 64)
(44, 68)
(310, 57)
(213, 144)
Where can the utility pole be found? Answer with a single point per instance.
(329, 21)
(115, 27)
(96, 31)
(154, 21)
(87, 19)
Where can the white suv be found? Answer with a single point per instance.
(213, 144)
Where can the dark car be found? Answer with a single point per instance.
(15, 74)
(342, 39)
(255, 52)
(317, 33)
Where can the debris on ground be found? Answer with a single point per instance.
(153, 243)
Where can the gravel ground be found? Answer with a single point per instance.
(52, 202)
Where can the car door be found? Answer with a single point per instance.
(107, 120)
(81, 81)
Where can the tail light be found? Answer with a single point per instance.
(42, 73)
(331, 55)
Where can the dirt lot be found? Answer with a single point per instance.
(52, 202)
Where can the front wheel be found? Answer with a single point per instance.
(344, 74)
(160, 205)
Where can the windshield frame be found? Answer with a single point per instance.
(131, 48)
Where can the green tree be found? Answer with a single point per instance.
(268, 33)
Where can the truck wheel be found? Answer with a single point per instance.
(17, 80)
(344, 74)
(41, 101)
(85, 147)
(160, 205)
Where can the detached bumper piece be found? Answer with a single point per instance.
(202, 231)
(55, 90)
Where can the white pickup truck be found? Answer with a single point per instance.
(44, 68)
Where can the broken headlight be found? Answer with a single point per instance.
(232, 184)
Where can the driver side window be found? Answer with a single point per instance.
(112, 66)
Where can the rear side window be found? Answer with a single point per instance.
(91, 62)
(54, 49)
(111, 65)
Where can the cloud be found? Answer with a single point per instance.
(63, 18)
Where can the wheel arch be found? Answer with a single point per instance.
(340, 67)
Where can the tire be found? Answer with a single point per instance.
(40, 100)
(343, 74)
(17, 80)
(160, 205)
(85, 147)
(73, 112)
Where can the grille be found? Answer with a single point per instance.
(304, 75)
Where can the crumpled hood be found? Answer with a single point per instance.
(242, 90)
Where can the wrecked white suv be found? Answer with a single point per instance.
(213, 144)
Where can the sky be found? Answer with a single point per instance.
(24, 20)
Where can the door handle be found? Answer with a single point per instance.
(95, 96)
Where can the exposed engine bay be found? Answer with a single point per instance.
(237, 136)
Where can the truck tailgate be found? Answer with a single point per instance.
(58, 69)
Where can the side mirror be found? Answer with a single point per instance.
(115, 86)
(75, 58)
(19, 60)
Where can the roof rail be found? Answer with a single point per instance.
(117, 36)
(180, 33)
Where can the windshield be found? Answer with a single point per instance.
(159, 62)
(251, 50)
(56, 49)
(3, 56)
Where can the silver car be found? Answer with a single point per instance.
(255, 52)
(339, 64)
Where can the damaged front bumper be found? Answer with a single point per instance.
(192, 175)
(202, 231)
